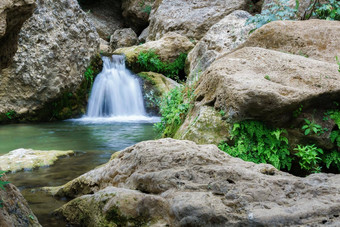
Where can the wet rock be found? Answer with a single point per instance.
(224, 36)
(199, 185)
(15, 210)
(317, 39)
(55, 47)
(168, 48)
(24, 159)
(12, 16)
(189, 18)
(125, 37)
(256, 83)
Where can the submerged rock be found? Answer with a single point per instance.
(189, 18)
(179, 183)
(24, 159)
(12, 16)
(14, 209)
(55, 47)
(317, 39)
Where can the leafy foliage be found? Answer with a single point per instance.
(256, 142)
(332, 159)
(10, 114)
(150, 61)
(309, 157)
(311, 126)
(89, 75)
(328, 11)
(173, 109)
(277, 10)
(2, 184)
(338, 62)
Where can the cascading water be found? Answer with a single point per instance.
(116, 94)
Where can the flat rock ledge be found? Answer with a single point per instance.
(170, 182)
(27, 159)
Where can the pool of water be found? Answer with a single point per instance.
(93, 141)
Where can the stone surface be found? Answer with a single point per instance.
(317, 39)
(15, 210)
(155, 85)
(189, 18)
(205, 125)
(168, 48)
(13, 13)
(223, 36)
(106, 16)
(125, 37)
(185, 184)
(136, 13)
(256, 83)
(55, 47)
(143, 36)
(24, 159)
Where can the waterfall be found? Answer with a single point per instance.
(116, 94)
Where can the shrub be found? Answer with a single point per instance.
(256, 142)
(328, 11)
(150, 61)
(309, 157)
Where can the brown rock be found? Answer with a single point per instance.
(13, 13)
(125, 37)
(192, 185)
(267, 85)
(317, 39)
(189, 18)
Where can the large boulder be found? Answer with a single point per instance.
(178, 183)
(55, 47)
(13, 13)
(317, 39)
(168, 49)
(15, 210)
(125, 37)
(256, 83)
(136, 13)
(189, 18)
(223, 36)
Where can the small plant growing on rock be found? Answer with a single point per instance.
(10, 115)
(338, 62)
(309, 157)
(311, 126)
(2, 184)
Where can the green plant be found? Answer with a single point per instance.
(147, 9)
(267, 77)
(328, 11)
(173, 108)
(256, 142)
(298, 111)
(89, 75)
(277, 10)
(150, 61)
(311, 126)
(2, 184)
(338, 62)
(222, 112)
(309, 157)
(332, 159)
(10, 114)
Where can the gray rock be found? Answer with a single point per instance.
(55, 47)
(143, 36)
(125, 37)
(199, 185)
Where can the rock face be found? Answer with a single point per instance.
(15, 210)
(13, 13)
(189, 18)
(168, 48)
(23, 159)
(317, 39)
(55, 47)
(223, 36)
(179, 183)
(125, 37)
(136, 13)
(256, 83)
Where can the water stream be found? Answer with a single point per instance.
(115, 119)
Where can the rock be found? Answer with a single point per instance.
(184, 184)
(223, 36)
(204, 126)
(256, 83)
(143, 36)
(168, 48)
(13, 14)
(55, 47)
(104, 46)
(155, 85)
(105, 15)
(15, 210)
(136, 13)
(189, 18)
(317, 39)
(125, 37)
(24, 159)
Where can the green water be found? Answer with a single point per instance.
(93, 143)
